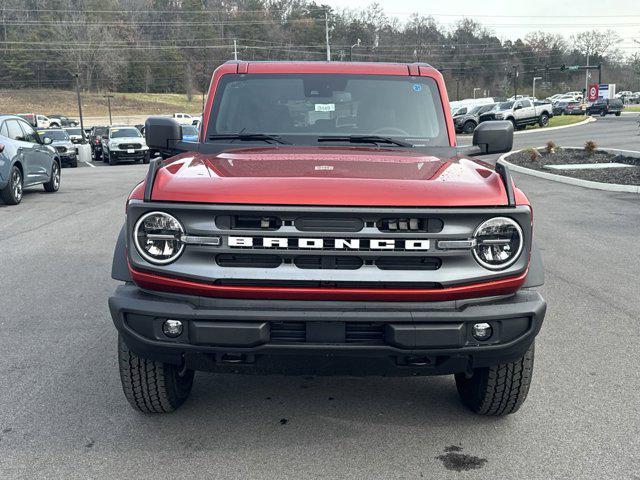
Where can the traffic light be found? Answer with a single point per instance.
(563, 67)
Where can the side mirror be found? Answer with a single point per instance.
(162, 133)
(47, 141)
(494, 136)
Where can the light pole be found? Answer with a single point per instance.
(474, 91)
(533, 95)
(77, 75)
(357, 44)
(109, 97)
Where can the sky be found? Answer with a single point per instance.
(511, 19)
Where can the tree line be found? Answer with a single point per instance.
(174, 45)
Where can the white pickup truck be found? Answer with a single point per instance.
(522, 112)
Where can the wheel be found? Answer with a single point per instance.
(603, 113)
(617, 114)
(544, 120)
(110, 158)
(54, 125)
(54, 180)
(74, 164)
(146, 158)
(513, 122)
(498, 390)
(152, 387)
(520, 127)
(12, 193)
(469, 126)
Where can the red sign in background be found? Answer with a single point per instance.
(593, 92)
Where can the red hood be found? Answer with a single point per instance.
(328, 176)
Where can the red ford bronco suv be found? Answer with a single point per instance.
(326, 223)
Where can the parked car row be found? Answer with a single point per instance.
(521, 112)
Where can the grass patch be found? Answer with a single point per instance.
(632, 108)
(49, 101)
(562, 120)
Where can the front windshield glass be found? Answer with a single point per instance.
(100, 130)
(505, 106)
(125, 132)
(54, 135)
(303, 107)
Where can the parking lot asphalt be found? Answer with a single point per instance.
(63, 414)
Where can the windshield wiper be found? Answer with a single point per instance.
(248, 137)
(365, 139)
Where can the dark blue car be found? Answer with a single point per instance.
(25, 160)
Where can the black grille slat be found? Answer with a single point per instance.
(328, 262)
(129, 146)
(408, 263)
(248, 261)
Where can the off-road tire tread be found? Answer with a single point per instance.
(147, 384)
(502, 388)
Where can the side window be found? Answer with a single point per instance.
(526, 103)
(14, 130)
(29, 133)
(3, 130)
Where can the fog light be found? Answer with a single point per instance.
(172, 328)
(482, 331)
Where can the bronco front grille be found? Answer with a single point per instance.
(61, 149)
(329, 247)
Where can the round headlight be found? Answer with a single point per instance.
(157, 237)
(499, 243)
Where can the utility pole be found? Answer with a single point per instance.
(474, 91)
(326, 35)
(77, 75)
(586, 80)
(235, 49)
(515, 82)
(109, 97)
(533, 94)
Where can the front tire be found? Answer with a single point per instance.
(12, 193)
(152, 387)
(544, 120)
(469, 127)
(497, 390)
(110, 158)
(54, 180)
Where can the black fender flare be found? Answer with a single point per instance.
(120, 267)
(535, 275)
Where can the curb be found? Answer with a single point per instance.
(609, 187)
(549, 129)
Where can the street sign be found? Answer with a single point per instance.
(593, 92)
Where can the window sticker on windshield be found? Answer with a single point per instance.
(417, 87)
(325, 107)
(114, 130)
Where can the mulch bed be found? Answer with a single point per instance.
(625, 176)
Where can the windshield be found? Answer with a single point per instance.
(304, 107)
(54, 135)
(124, 132)
(505, 106)
(74, 131)
(100, 131)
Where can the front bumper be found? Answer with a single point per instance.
(324, 337)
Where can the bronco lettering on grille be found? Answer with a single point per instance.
(293, 243)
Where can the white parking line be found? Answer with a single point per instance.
(90, 164)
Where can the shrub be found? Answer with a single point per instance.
(590, 147)
(550, 147)
(533, 153)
